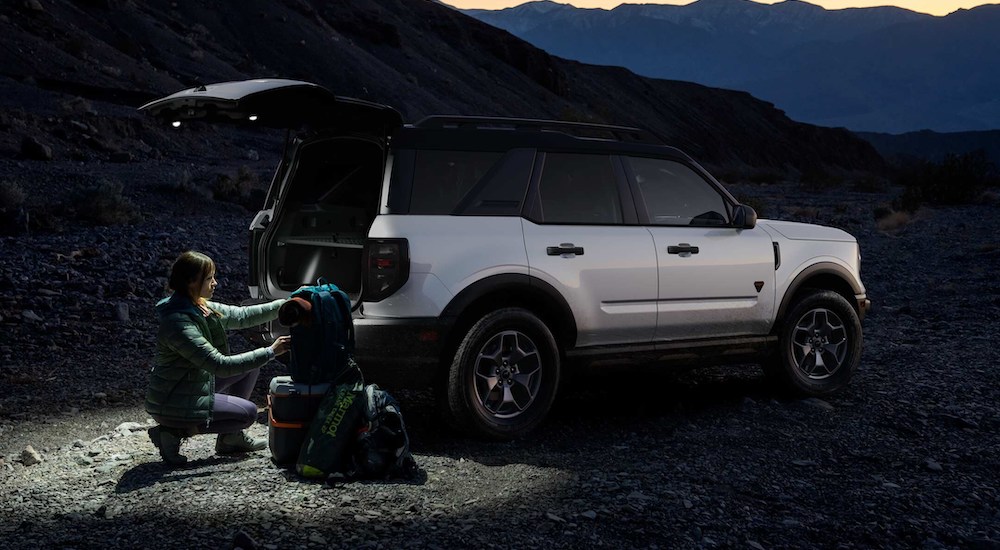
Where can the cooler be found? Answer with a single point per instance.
(291, 406)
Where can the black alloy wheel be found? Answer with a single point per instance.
(504, 375)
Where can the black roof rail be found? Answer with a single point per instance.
(623, 134)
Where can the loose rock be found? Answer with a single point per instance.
(816, 403)
(121, 312)
(30, 457)
(29, 315)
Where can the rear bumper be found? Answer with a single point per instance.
(395, 352)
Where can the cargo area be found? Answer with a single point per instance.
(327, 203)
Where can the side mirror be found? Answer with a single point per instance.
(744, 217)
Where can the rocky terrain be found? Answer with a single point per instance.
(905, 457)
(96, 202)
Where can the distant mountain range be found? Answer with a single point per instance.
(935, 146)
(869, 69)
(418, 56)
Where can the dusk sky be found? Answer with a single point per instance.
(935, 7)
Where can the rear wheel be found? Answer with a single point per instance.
(504, 375)
(819, 344)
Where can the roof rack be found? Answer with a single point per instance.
(623, 134)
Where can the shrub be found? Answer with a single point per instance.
(104, 204)
(187, 185)
(958, 179)
(805, 213)
(754, 202)
(988, 248)
(572, 114)
(244, 188)
(893, 221)
(11, 196)
(13, 219)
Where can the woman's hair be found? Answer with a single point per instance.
(190, 267)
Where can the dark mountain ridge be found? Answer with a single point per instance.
(875, 69)
(416, 55)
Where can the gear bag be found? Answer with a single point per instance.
(331, 435)
(358, 432)
(382, 449)
(323, 336)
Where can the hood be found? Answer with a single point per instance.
(807, 232)
(275, 103)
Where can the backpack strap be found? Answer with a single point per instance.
(344, 308)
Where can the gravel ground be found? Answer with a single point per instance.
(907, 456)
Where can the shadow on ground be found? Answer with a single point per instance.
(596, 408)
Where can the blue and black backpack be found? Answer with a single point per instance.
(323, 350)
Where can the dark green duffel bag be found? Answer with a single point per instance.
(332, 433)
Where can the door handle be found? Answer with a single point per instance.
(682, 248)
(564, 248)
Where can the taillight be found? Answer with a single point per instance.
(386, 268)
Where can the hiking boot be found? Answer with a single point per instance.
(238, 442)
(168, 441)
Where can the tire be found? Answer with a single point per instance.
(504, 376)
(819, 345)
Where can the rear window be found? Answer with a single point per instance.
(442, 178)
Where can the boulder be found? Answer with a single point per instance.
(32, 149)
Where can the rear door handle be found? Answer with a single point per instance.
(564, 248)
(682, 248)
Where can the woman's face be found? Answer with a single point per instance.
(206, 288)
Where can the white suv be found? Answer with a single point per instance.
(486, 255)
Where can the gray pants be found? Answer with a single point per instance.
(233, 411)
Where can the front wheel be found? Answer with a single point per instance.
(819, 344)
(504, 375)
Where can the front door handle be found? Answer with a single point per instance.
(564, 248)
(682, 248)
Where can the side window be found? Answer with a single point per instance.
(442, 178)
(676, 195)
(501, 192)
(578, 189)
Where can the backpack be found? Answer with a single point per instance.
(358, 433)
(382, 448)
(321, 350)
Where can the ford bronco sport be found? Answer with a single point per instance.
(489, 254)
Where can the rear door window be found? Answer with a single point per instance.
(578, 189)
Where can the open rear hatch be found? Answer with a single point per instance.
(276, 103)
(325, 193)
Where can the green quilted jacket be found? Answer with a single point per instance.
(192, 349)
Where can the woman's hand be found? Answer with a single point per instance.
(281, 345)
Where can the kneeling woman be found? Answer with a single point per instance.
(195, 386)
